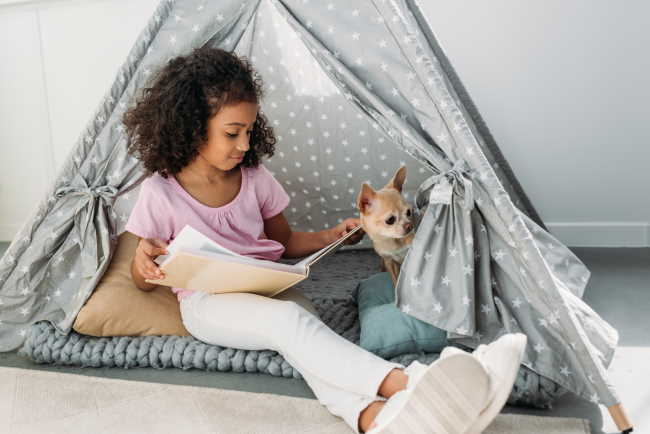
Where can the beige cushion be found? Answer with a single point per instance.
(118, 308)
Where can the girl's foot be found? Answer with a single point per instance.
(368, 415)
(446, 398)
(501, 359)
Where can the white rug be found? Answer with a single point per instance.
(37, 402)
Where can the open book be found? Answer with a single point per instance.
(199, 263)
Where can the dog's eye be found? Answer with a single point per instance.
(390, 220)
(408, 212)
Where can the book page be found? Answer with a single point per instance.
(190, 238)
(313, 258)
(207, 273)
(261, 263)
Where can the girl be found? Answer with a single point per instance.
(200, 135)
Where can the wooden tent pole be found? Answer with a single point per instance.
(620, 418)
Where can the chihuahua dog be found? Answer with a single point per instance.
(389, 221)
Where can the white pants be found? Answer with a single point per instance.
(344, 377)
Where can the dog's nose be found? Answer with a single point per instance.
(408, 227)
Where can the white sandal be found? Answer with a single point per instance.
(446, 398)
(501, 359)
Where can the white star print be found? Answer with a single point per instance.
(591, 378)
(453, 252)
(516, 302)
(467, 270)
(437, 307)
(594, 398)
(445, 280)
(466, 300)
(499, 254)
(461, 330)
(485, 309)
(415, 282)
(427, 256)
(406, 309)
(469, 240)
(539, 347)
(355, 36)
(565, 371)
(553, 318)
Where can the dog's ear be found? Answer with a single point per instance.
(365, 198)
(398, 179)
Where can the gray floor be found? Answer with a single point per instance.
(619, 291)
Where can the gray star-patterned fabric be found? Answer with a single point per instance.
(353, 90)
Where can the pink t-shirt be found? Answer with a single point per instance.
(164, 207)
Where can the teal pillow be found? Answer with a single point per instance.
(385, 330)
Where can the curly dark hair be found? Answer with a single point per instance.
(168, 125)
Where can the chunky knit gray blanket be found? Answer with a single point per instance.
(331, 289)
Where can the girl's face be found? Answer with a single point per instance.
(229, 133)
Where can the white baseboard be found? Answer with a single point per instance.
(595, 234)
(602, 234)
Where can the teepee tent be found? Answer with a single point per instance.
(353, 91)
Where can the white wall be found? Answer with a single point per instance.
(562, 85)
(564, 88)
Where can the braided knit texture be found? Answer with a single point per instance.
(45, 345)
(331, 288)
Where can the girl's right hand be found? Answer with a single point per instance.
(149, 249)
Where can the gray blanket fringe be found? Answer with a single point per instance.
(45, 345)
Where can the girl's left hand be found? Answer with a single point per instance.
(346, 226)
